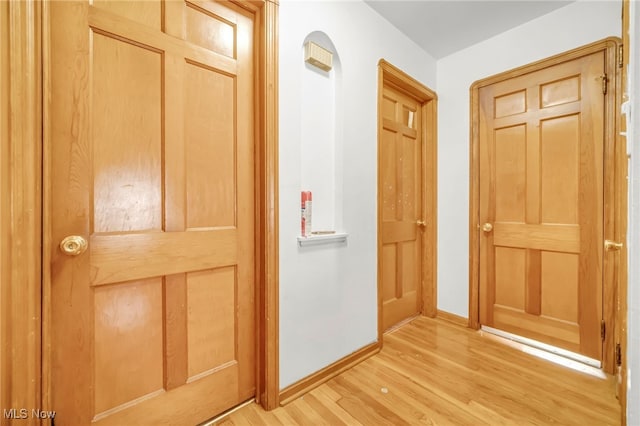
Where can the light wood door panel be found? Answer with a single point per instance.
(541, 190)
(401, 183)
(153, 164)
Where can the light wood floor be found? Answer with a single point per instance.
(436, 373)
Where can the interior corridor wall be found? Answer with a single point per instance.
(328, 294)
(577, 24)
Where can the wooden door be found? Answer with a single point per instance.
(152, 153)
(541, 204)
(400, 189)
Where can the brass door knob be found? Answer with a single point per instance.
(487, 227)
(73, 245)
(421, 223)
(612, 245)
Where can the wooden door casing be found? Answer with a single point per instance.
(153, 162)
(21, 127)
(611, 188)
(401, 180)
(622, 204)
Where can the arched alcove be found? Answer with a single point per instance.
(321, 136)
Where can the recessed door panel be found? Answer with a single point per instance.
(126, 132)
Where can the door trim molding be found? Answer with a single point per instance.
(389, 74)
(622, 295)
(20, 204)
(611, 185)
(267, 294)
(30, 385)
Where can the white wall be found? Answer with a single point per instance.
(633, 239)
(572, 26)
(328, 300)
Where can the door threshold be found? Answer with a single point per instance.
(551, 353)
(401, 324)
(216, 419)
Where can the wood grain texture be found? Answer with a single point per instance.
(433, 372)
(45, 385)
(156, 339)
(565, 238)
(622, 191)
(615, 209)
(393, 120)
(126, 130)
(124, 257)
(20, 205)
(211, 307)
(25, 33)
(557, 214)
(474, 207)
(532, 302)
(401, 188)
(128, 320)
(5, 209)
(556, 96)
(430, 206)
(175, 362)
(267, 362)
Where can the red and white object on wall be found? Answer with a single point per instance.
(305, 219)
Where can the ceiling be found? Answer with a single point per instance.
(443, 27)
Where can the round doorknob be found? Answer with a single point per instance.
(612, 245)
(73, 245)
(421, 223)
(487, 227)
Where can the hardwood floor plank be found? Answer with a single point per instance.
(499, 386)
(284, 416)
(362, 406)
(389, 398)
(434, 372)
(302, 415)
(254, 416)
(323, 411)
(328, 398)
(454, 386)
(397, 398)
(443, 410)
(251, 415)
(467, 383)
(570, 397)
(312, 416)
(505, 374)
(288, 416)
(328, 393)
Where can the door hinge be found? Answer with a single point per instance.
(605, 81)
(618, 355)
(621, 56)
(603, 330)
